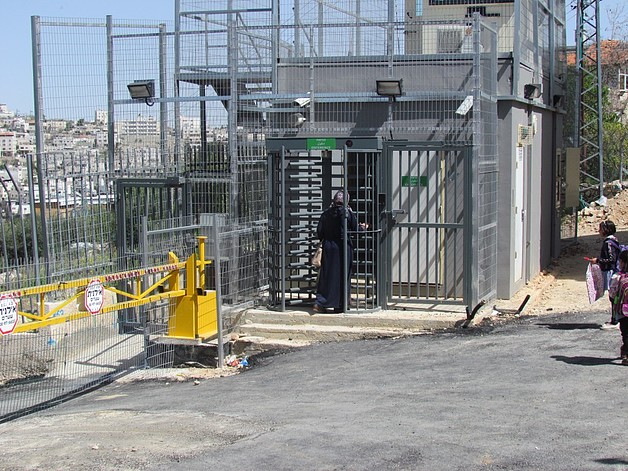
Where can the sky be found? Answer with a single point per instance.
(16, 73)
(16, 77)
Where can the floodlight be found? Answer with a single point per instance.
(391, 88)
(532, 90)
(142, 90)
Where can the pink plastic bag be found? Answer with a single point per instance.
(595, 282)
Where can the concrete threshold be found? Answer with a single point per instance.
(304, 325)
(323, 333)
(261, 330)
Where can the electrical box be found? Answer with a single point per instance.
(572, 177)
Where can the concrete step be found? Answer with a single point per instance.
(321, 333)
(301, 325)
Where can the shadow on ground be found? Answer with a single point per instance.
(612, 461)
(585, 361)
(571, 326)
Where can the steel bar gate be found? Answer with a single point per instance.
(425, 221)
(303, 175)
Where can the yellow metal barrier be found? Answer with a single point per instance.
(193, 313)
(201, 303)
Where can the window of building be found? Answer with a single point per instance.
(623, 81)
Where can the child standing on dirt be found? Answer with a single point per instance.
(618, 293)
(608, 259)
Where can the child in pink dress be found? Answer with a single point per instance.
(618, 293)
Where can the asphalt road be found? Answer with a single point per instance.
(543, 393)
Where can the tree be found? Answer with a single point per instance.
(617, 19)
(17, 236)
(615, 141)
(614, 131)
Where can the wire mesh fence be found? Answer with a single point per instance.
(241, 248)
(65, 224)
(69, 350)
(209, 127)
(224, 79)
(73, 350)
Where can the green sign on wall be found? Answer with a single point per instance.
(321, 143)
(413, 180)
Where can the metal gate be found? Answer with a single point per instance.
(303, 175)
(415, 198)
(424, 223)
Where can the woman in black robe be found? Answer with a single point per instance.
(333, 288)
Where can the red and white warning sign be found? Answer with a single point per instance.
(8, 314)
(94, 296)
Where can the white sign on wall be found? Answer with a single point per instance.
(8, 314)
(94, 296)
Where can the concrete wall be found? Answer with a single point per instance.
(539, 196)
(412, 120)
(548, 139)
(434, 73)
(508, 120)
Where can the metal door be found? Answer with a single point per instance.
(424, 222)
(519, 214)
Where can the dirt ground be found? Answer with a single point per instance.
(561, 287)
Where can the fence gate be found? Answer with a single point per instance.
(138, 202)
(303, 175)
(424, 221)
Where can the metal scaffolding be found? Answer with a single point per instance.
(589, 96)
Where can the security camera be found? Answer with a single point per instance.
(302, 102)
(297, 120)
